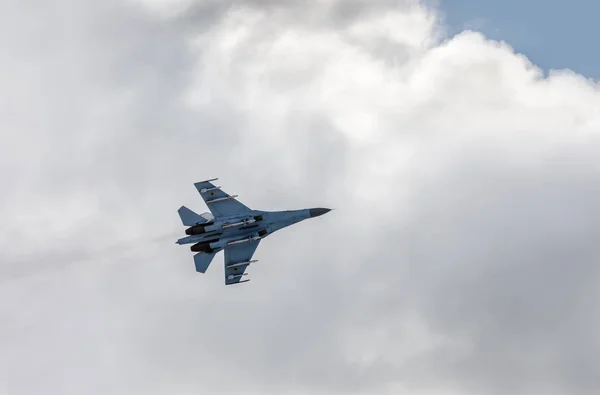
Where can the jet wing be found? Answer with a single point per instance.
(237, 259)
(219, 202)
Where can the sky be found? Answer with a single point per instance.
(461, 258)
(553, 34)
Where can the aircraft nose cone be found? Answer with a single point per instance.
(315, 212)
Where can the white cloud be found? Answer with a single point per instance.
(460, 260)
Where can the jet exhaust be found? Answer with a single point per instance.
(195, 230)
(204, 247)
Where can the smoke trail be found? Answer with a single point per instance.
(37, 262)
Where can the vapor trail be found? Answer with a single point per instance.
(12, 268)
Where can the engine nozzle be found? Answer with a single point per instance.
(195, 230)
(201, 247)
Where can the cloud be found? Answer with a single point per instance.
(460, 259)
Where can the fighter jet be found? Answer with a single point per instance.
(234, 228)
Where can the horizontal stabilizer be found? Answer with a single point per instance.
(190, 218)
(202, 261)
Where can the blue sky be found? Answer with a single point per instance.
(554, 35)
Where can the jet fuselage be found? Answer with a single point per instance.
(213, 236)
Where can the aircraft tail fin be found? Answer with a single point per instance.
(202, 260)
(189, 218)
